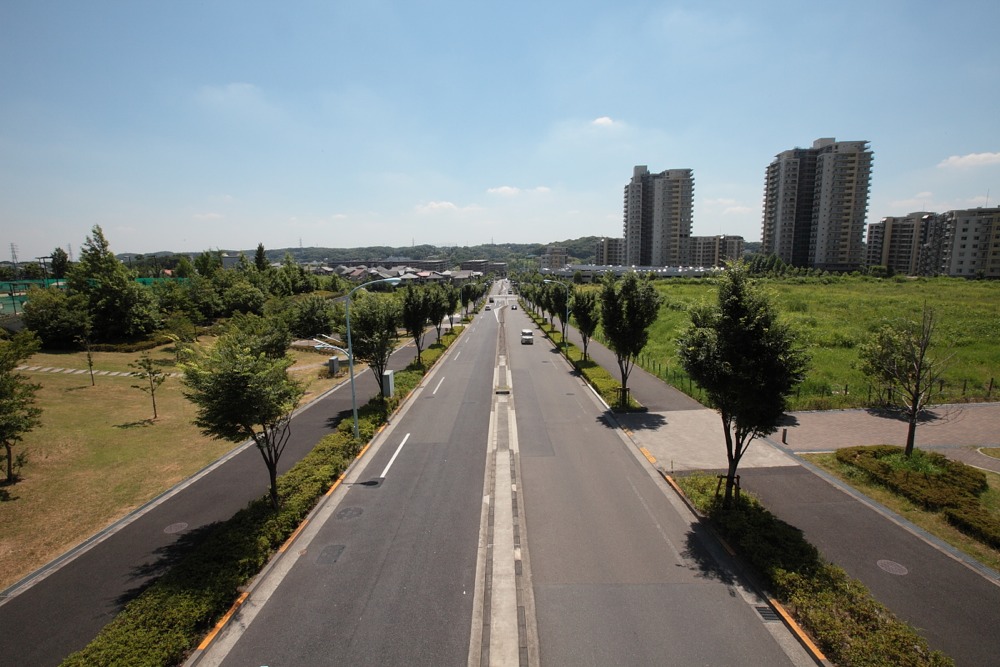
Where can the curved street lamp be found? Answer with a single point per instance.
(565, 286)
(350, 347)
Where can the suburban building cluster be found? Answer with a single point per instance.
(962, 243)
(814, 213)
(417, 271)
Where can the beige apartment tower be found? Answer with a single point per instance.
(658, 217)
(815, 204)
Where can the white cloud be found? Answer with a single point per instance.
(603, 121)
(208, 216)
(970, 160)
(512, 191)
(437, 207)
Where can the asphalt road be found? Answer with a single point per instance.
(387, 572)
(389, 578)
(50, 617)
(618, 574)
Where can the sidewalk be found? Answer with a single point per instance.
(952, 600)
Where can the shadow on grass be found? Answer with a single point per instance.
(164, 558)
(142, 423)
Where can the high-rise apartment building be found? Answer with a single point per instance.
(972, 243)
(554, 257)
(610, 252)
(898, 242)
(815, 202)
(711, 251)
(658, 217)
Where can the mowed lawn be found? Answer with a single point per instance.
(99, 455)
(835, 318)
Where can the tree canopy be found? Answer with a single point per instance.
(898, 359)
(242, 391)
(587, 313)
(374, 319)
(747, 361)
(629, 306)
(18, 413)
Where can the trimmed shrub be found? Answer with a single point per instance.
(942, 483)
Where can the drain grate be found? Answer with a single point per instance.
(767, 613)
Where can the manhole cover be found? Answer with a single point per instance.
(349, 513)
(330, 554)
(175, 528)
(892, 567)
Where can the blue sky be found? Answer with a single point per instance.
(192, 125)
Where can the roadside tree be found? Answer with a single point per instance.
(243, 392)
(629, 307)
(374, 318)
(747, 361)
(437, 305)
(453, 296)
(587, 313)
(18, 414)
(416, 312)
(898, 359)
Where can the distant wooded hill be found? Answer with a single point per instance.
(581, 250)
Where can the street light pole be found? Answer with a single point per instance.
(350, 347)
(566, 318)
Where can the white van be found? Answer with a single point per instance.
(527, 337)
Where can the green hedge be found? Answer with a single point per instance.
(933, 482)
(167, 621)
(846, 622)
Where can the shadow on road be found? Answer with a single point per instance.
(705, 564)
(642, 421)
(165, 558)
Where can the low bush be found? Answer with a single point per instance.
(929, 479)
(847, 623)
(973, 520)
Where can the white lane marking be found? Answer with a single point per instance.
(457, 355)
(437, 387)
(395, 454)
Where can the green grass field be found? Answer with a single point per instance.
(834, 318)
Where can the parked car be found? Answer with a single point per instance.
(527, 337)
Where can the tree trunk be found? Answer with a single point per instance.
(911, 435)
(272, 473)
(10, 462)
(727, 500)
